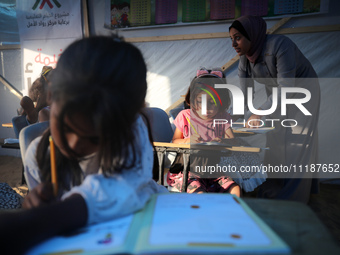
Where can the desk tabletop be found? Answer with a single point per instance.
(297, 225)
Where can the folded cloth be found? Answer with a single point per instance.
(11, 140)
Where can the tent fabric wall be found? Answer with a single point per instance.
(175, 62)
(10, 62)
(172, 64)
(178, 62)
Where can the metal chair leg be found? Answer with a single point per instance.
(186, 157)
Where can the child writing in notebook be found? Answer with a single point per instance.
(195, 126)
(104, 157)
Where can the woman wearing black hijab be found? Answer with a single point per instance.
(276, 62)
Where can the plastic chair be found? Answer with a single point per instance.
(28, 134)
(19, 122)
(160, 125)
(175, 111)
(162, 134)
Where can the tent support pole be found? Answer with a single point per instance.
(85, 18)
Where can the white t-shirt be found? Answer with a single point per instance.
(108, 197)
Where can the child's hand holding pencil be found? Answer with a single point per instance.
(44, 193)
(194, 138)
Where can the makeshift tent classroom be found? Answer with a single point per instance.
(174, 52)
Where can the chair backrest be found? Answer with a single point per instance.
(160, 125)
(175, 111)
(19, 122)
(28, 134)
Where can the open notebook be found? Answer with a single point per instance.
(175, 223)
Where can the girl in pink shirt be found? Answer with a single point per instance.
(196, 125)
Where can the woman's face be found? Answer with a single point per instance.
(212, 108)
(239, 42)
(78, 130)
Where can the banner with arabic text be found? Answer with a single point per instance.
(46, 28)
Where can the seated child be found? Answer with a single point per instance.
(194, 126)
(104, 157)
(39, 93)
(35, 107)
(29, 110)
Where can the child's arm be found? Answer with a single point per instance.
(235, 190)
(229, 133)
(179, 138)
(42, 194)
(37, 224)
(44, 115)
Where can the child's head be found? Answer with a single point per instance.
(97, 89)
(39, 88)
(27, 105)
(217, 100)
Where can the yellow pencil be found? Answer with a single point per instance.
(191, 125)
(53, 168)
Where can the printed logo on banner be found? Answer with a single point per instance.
(46, 28)
(45, 2)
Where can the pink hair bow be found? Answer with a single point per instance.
(205, 72)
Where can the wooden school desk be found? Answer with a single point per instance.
(8, 125)
(161, 148)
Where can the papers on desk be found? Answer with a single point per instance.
(226, 145)
(261, 130)
(11, 140)
(176, 224)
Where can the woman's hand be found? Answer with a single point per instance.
(255, 121)
(42, 194)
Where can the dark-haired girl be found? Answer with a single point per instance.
(103, 152)
(195, 126)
